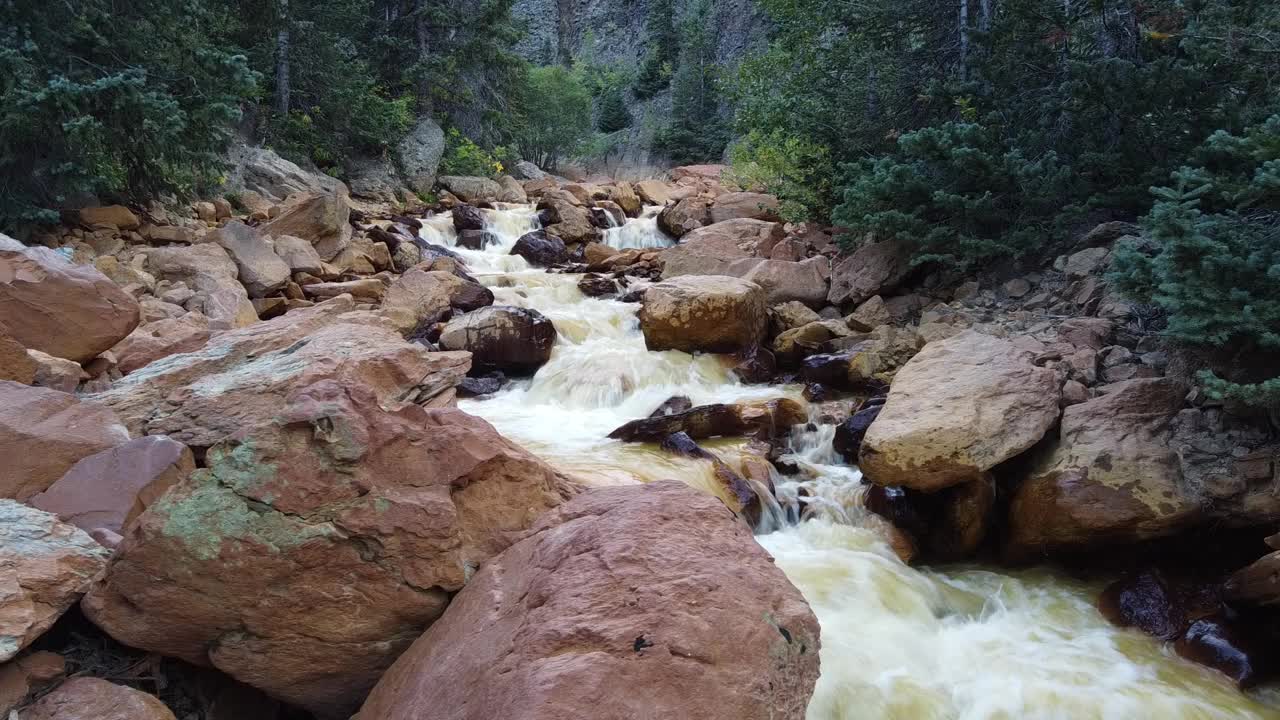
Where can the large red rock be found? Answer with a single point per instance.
(320, 540)
(65, 310)
(160, 339)
(1110, 476)
(956, 410)
(15, 363)
(633, 602)
(704, 313)
(734, 205)
(89, 698)
(715, 249)
(110, 489)
(241, 377)
(44, 567)
(44, 432)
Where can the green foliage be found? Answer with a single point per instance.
(789, 168)
(464, 157)
(553, 115)
(613, 112)
(124, 99)
(697, 132)
(957, 194)
(1215, 263)
(664, 48)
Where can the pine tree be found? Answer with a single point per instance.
(664, 47)
(613, 111)
(698, 132)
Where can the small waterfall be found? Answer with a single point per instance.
(641, 232)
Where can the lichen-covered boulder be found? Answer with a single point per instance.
(707, 313)
(320, 540)
(44, 567)
(65, 310)
(648, 601)
(956, 410)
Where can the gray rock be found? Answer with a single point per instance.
(261, 270)
(420, 154)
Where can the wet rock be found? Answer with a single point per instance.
(703, 313)
(477, 239)
(764, 420)
(320, 539)
(484, 385)
(1109, 477)
(1229, 648)
(597, 286)
(673, 406)
(422, 296)
(828, 369)
(540, 249)
(240, 377)
(816, 392)
(566, 219)
(589, 617)
(65, 310)
(755, 365)
(111, 488)
(89, 698)
(261, 270)
(1257, 583)
(1145, 601)
(849, 434)
(873, 269)
(44, 432)
(957, 409)
(44, 567)
(749, 205)
(321, 219)
(472, 190)
(511, 339)
(467, 217)
(607, 214)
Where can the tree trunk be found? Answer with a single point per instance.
(964, 39)
(985, 12)
(282, 59)
(423, 33)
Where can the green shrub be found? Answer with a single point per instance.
(957, 194)
(792, 168)
(464, 157)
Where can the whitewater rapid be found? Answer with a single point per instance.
(901, 643)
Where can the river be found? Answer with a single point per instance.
(901, 643)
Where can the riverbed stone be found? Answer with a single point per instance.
(90, 698)
(261, 270)
(322, 219)
(704, 313)
(422, 296)
(511, 339)
(596, 615)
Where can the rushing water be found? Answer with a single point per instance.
(956, 643)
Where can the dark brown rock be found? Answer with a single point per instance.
(511, 339)
(766, 419)
(540, 249)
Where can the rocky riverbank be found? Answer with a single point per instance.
(237, 446)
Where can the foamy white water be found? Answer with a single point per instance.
(641, 232)
(899, 643)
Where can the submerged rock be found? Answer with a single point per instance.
(593, 615)
(765, 419)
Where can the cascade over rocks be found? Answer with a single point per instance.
(44, 432)
(512, 339)
(594, 615)
(321, 537)
(111, 488)
(704, 313)
(44, 567)
(241, 377)
(65, 310)
(1109, 477)
(467, 217)
(956, 410)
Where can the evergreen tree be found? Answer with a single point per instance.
(697, 132)
(553, 115)
(117, 99)
(613, 111)
(664, 47)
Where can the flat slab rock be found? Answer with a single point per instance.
(633, 602)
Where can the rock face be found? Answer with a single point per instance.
(15, 363)
(957, 409)
(320, 540)
(423, 296)
(873, 269)
(540, 249)
(322, 219)
(65, 310)
(261, 170)
(243, 376)
(420, 153)
(597, 615)
(511, 339)
(44, 432)
(1110, 477)
(261, 270)
(706, 313)
(44, 567)
(110, 489)
(89, 698)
